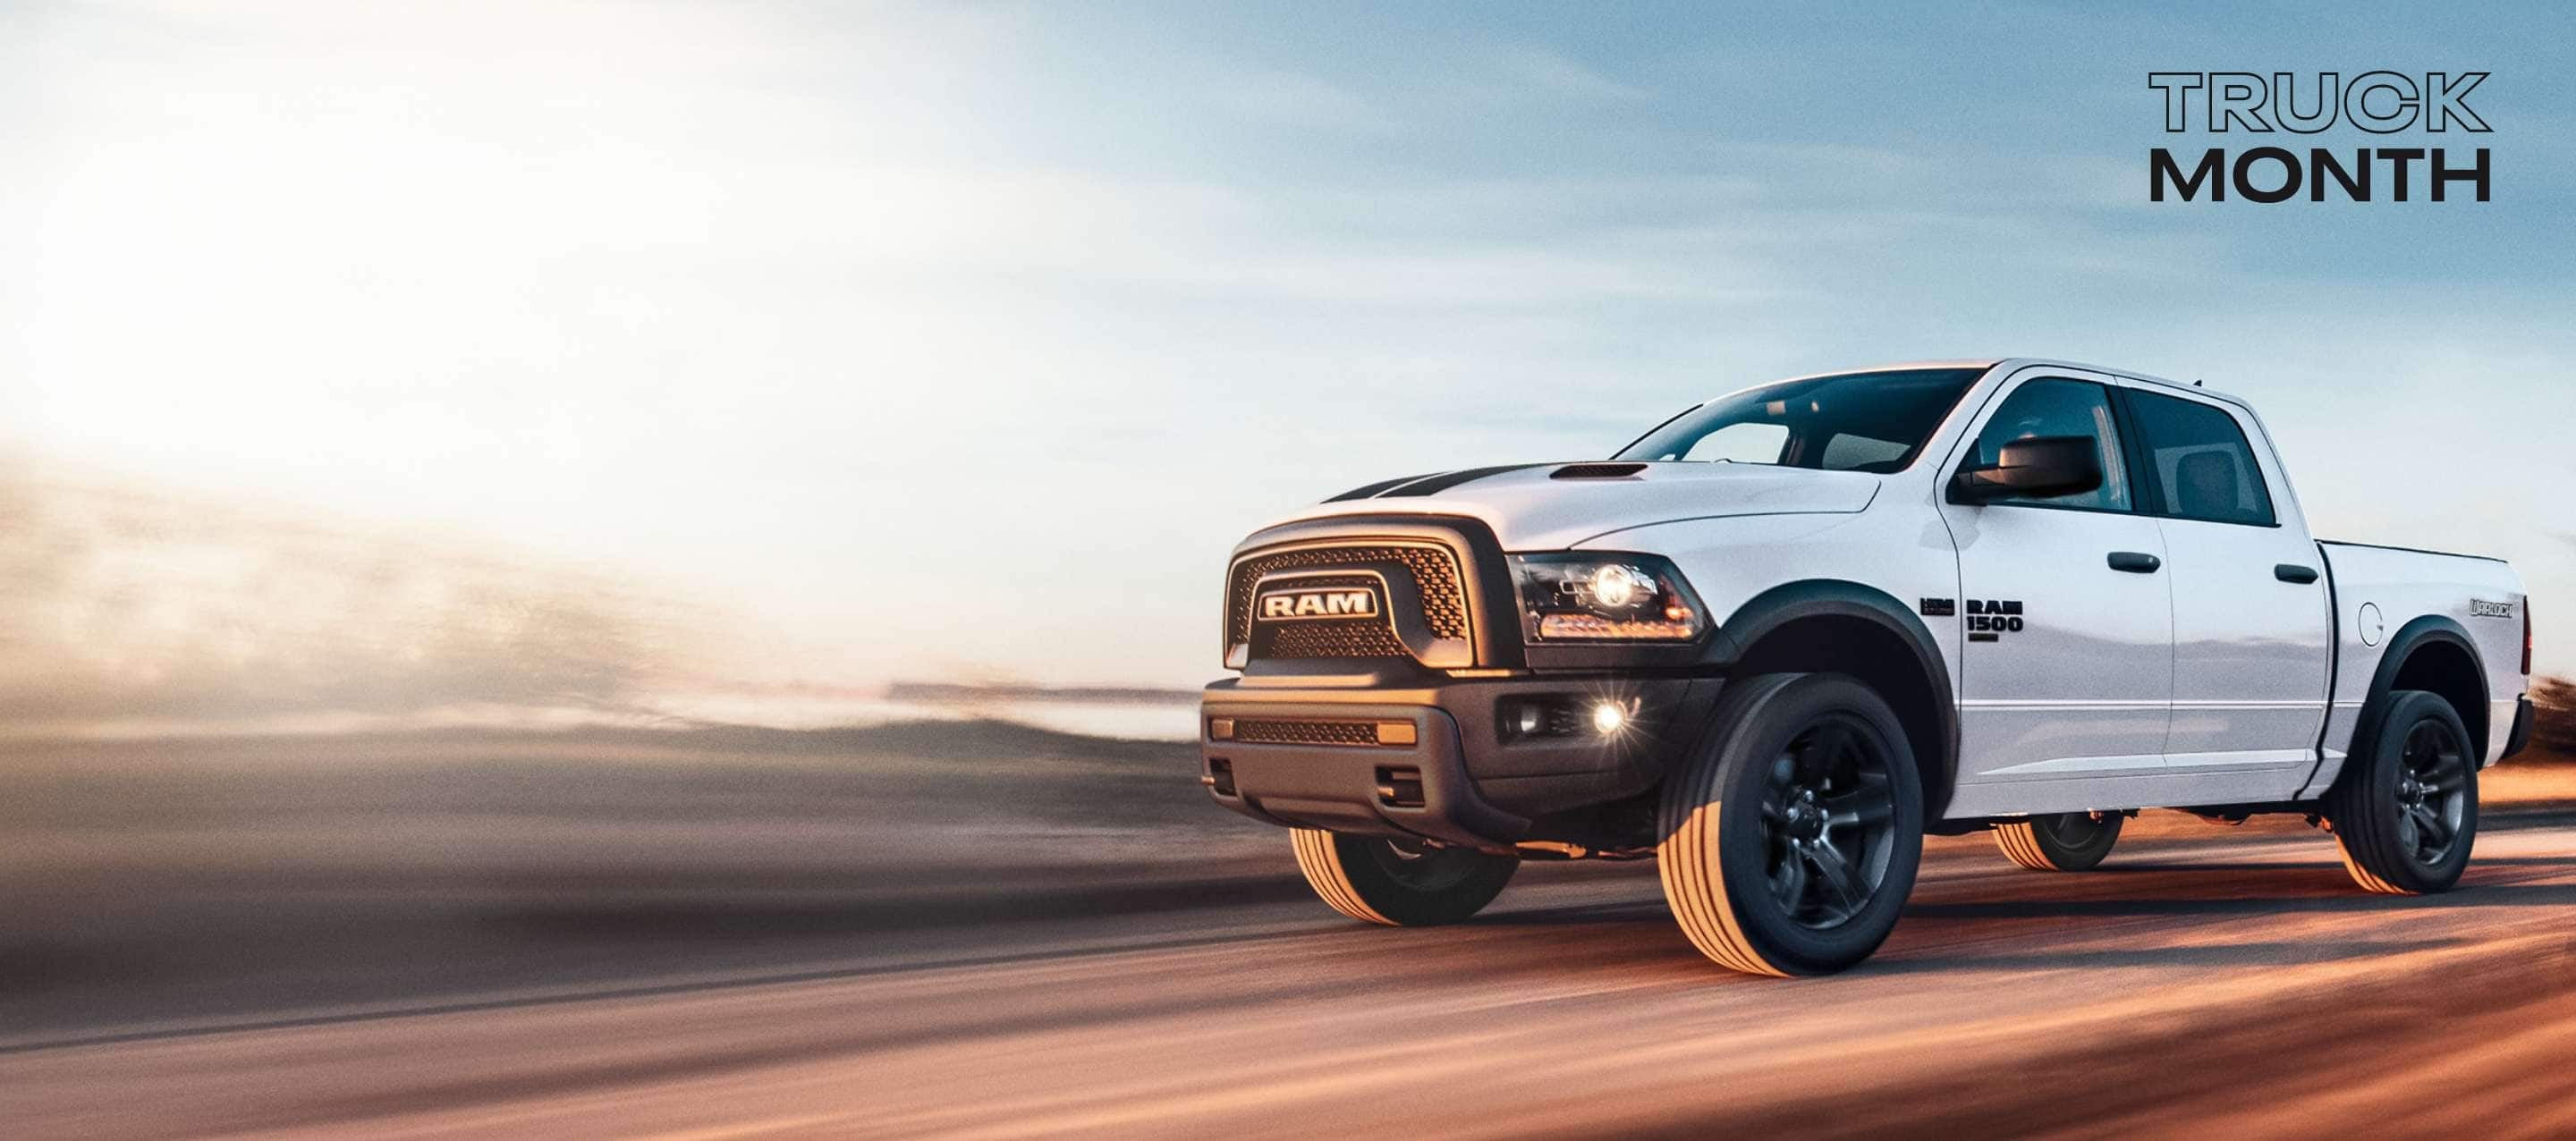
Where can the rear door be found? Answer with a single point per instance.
(2251, 616)
(2067, 667)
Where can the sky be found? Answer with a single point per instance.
(820, 345)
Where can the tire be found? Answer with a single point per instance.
(2059, 841)
(1396, 882)
(1791, 837)
(2405, 809)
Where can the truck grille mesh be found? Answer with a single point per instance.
(1435, 575)
(1349, 734)
(1359, 639)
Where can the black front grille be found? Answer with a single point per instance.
(1331, 637)
(1360, 638)
(1348, 734)
(1433, 569)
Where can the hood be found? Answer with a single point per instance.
(1541, 507)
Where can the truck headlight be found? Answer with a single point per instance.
(1604, 598)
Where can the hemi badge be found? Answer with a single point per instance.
(1940, 607)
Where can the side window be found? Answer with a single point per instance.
(2055, 407)
(2204, 469)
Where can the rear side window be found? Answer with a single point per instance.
(2204, 469)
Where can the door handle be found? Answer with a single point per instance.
(2293, 572)
(2135, 562)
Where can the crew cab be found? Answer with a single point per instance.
(1783, 635)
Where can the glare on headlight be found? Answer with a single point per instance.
(1617, 586)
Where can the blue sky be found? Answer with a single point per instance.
(894, 336)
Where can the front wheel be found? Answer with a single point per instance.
(1790, 841)
(2059, 841)
(1400, 883)
(2405, 810)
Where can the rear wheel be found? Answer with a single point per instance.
(1790, 840)
(2059, 841)
(1400, 883)
(2405, 809)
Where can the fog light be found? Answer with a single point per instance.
(1607, 718)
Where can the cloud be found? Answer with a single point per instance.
(1528, 68)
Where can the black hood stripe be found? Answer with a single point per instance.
(1366, 490)
(1434, 485)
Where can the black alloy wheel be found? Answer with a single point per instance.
(2059, 841)
(1789, 838)
(1399, 882)
(2431, 792)
(2405, 808)
(1418, 865)
(1828, 822)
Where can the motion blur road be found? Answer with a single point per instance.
(2224, 981)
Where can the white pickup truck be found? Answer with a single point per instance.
(1782, 636)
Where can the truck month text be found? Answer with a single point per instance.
(2376, 102)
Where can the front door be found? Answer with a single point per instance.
(2066, 667)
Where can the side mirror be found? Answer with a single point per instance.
(2040, 467)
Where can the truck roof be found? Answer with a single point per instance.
(2017, 362)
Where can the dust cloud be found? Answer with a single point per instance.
(124, 607)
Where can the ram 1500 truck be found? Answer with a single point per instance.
(1779, 638)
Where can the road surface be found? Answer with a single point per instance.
(2217, 981)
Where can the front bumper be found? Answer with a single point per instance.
(1440, 761)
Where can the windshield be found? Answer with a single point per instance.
(1856, 421)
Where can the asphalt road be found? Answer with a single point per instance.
(2215, 981)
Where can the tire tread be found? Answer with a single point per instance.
(1322, 867)
(1689, 818)
(2023, 844)
(2020, 844)
(1698, 899)
(1337, 878)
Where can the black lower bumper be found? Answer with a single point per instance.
(1457, 762)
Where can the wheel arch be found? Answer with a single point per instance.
(2431, 653)
(1857, 629)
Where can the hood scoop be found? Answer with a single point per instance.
(1596, 471)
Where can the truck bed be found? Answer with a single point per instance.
(2379, 592)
